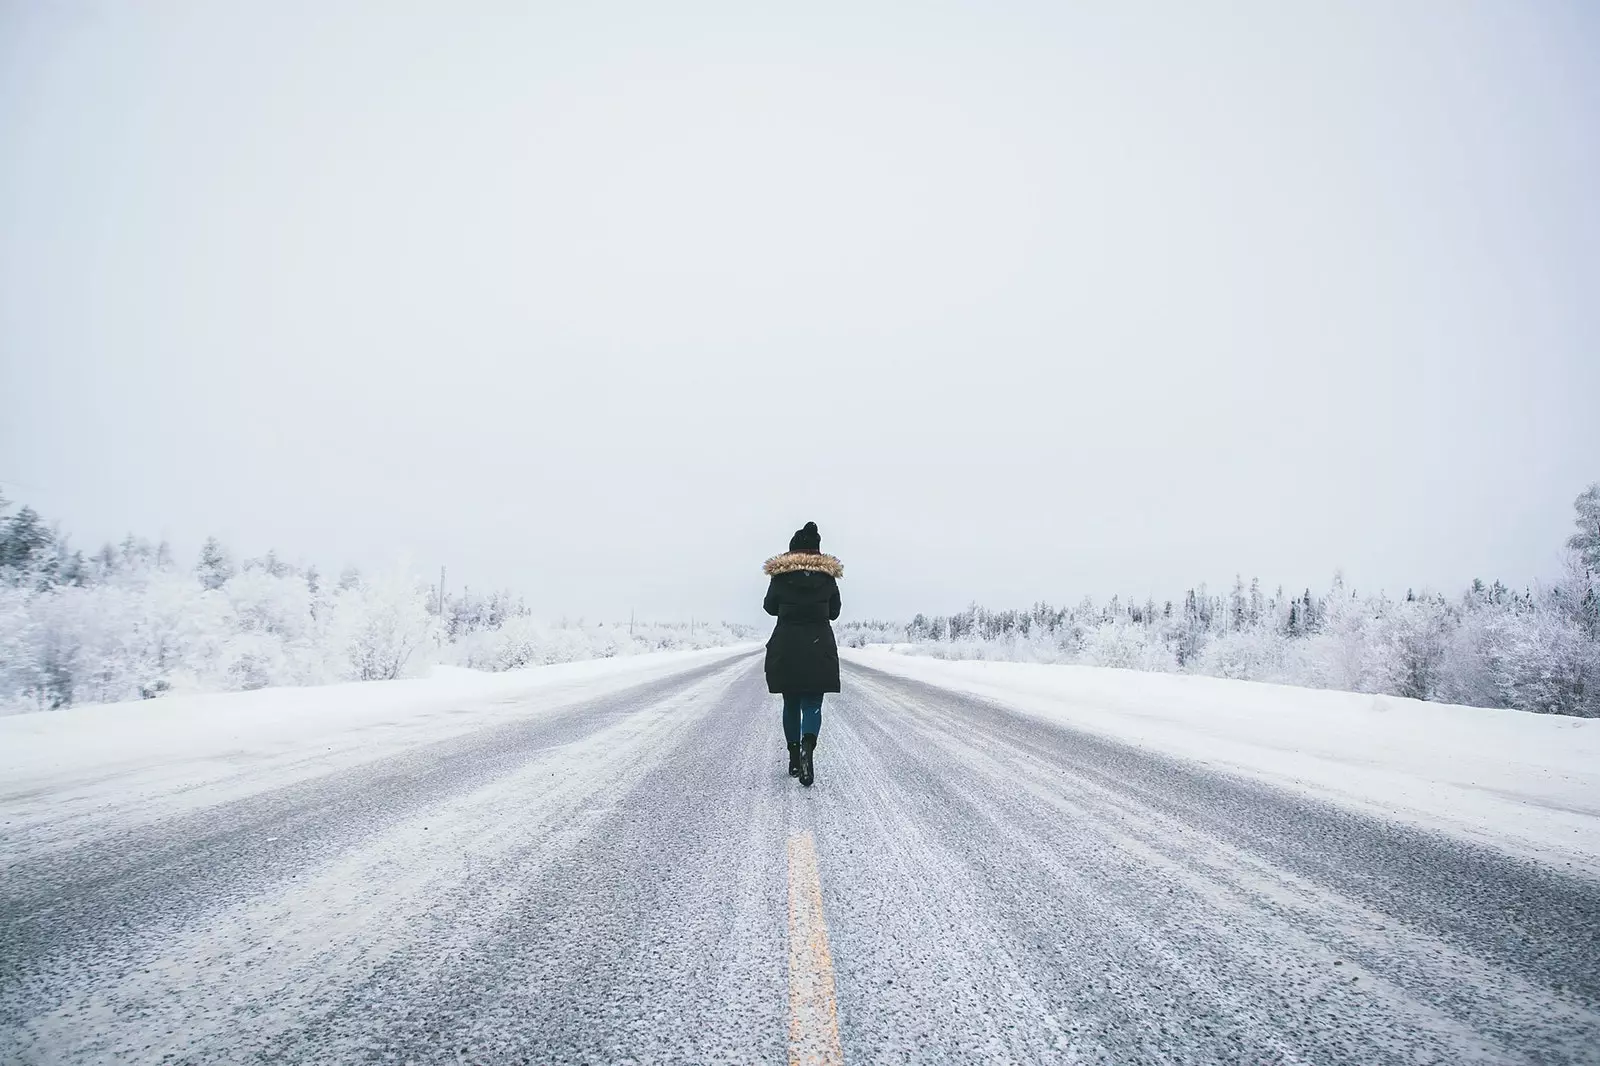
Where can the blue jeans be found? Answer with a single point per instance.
(802, 713)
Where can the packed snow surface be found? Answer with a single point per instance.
(63, 768)
(1524, 782)
(596, 864)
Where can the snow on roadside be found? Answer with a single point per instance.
(147, 758)
(1526, 783)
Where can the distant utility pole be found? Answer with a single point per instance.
(441, 593)
(630, 621)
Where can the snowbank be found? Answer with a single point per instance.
(166, 755)
(1522, 782)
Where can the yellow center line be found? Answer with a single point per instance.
(813, 1013)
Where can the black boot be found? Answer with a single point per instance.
(794, 760)
(808, 744)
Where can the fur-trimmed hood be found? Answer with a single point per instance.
(792, 562)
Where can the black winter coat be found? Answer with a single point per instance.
(804, 597)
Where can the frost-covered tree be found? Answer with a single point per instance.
(126, 624)
(26, 545)
(1586, 541)
(1537, 650)
(1127, 645)
(379, 626)
(273, 632)
(21, 674)
(1409, 646)
(1191, 635)
(215, 566)
(1542, 661)
(270, 563)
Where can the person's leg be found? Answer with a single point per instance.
(810, 722)
(791, 717)
(811, 714)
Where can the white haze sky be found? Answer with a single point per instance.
(601, 301)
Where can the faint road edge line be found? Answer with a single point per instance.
(813, 1010)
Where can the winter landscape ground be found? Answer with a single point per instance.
(441, 853)
(1161, 437)
(605, 862)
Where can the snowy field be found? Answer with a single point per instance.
(1526, 783)
(113, 763)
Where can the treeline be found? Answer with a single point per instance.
(132, 621)
(1533, 649)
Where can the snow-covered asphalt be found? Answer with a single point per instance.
(635, 880)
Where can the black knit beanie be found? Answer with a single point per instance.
(806, 540)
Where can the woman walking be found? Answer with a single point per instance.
(802, 658)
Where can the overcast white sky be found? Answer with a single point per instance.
(601, 301)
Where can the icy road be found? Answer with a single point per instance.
(631, 877)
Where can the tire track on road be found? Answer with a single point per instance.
(1142, 901)
(655, 933)
(63, 910)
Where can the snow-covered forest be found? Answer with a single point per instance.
(1534, 649)
(132, 620)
